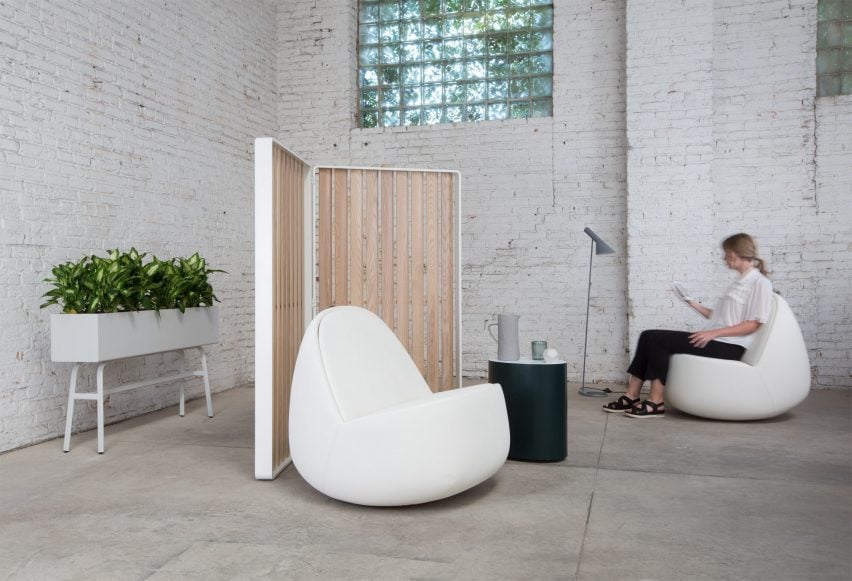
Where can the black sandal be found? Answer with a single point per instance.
(647, 409)
(620, 405)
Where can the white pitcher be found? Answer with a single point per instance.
(508, 348)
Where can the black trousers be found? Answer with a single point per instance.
(657, 346)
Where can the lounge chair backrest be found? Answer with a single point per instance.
(367, 367)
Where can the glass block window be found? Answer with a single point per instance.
(443, 61)
(834, 47)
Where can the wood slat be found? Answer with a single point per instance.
(281, 298)
(296, 272)
(447, 273)
(287, 299)
(371, 230)
(386, 256)
(356, 238)
(325, 239)
(433, 279)
(294, 266)
(403, 289)
(297, 257)
(418, 313)
(297, 308)
(340, 180)
(284, 297)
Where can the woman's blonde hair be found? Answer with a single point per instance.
(745, 247)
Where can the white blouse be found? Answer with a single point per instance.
(749, 298)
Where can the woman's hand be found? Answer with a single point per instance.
(701, 309)
(701, 338)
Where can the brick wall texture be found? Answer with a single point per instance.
(675, 124)
(125, 124)
(830, 243)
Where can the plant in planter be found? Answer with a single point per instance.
(122, 282)
(124, 306)
(121, 306)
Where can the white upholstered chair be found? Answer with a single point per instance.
(772, 377)
(365, 428)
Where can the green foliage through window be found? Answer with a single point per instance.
(834, 47)
(422, 62)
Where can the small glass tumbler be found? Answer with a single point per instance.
(538, 349)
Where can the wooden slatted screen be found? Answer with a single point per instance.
(288, 290)
(387, 243)
(282, 296)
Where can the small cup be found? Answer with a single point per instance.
(538, 349)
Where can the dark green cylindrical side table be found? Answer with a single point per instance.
(537, 403)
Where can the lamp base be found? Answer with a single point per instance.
(594, 391)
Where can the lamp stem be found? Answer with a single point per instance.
(589, 391)
(588, 301)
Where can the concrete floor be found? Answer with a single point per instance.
(675, 498)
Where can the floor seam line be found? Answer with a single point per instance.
(699, 475)
(591, 500)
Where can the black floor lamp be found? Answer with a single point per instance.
(598, 247)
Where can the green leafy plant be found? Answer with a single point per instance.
(123, 281)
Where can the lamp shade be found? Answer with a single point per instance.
(601, 247)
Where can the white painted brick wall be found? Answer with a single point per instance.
(763, 119)
(721, 125)
(670, 205)
(590, 186)
(529, 187)
(125, 124)
(830, 252)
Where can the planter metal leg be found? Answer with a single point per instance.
(100, 400)
(206, 384)
(101, 391)
(182, 403)
(69, 415)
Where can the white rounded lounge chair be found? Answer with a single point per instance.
(772, 377)
(365, 428)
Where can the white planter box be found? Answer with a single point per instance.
(89, 338)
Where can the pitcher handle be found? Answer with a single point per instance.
(489, 331)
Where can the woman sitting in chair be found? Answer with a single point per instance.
(739, 313)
